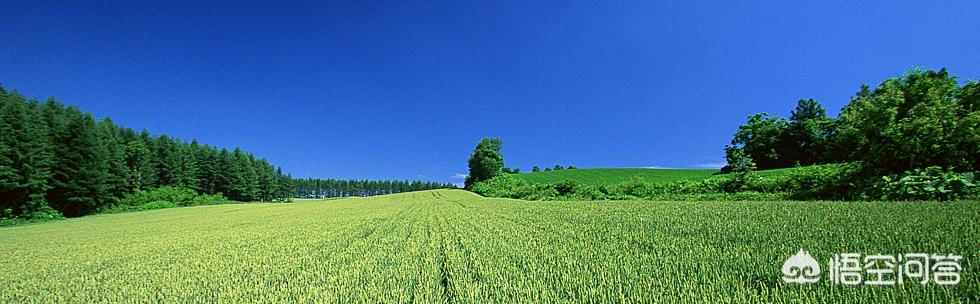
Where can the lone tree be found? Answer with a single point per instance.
(486, 161)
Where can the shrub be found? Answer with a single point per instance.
(565, 187)
(164, 197)
(836, 181)
(932, 183)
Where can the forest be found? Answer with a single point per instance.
(58, 160)
(327, 188)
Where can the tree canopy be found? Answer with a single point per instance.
(920, 119)
(486, 161)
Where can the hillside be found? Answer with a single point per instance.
(453, 246)
(611, 176)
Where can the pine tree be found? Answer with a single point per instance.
(207, 162)
(185, 166)
(150, 176)
(165, 162)
(25, 159)
(84, 187)
(139, 163)
(118, 179)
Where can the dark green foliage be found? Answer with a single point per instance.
(827, 182)
(118, 178)
(920, 119)
(763, 139)
(83, 184)
(59, 161)
(909, 122)
(535, 169)
(26, 158)
(139, 160)
(326, 188)
(486, 161)
(808, 133)
(740, 166)
(932, 183)
(566, 187)
(164, 197)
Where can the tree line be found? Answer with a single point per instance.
(921, 119)
(58, 160)
(326, 188)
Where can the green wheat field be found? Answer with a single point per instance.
(452, 246)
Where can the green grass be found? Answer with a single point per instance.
(453, 246)
(611, 176)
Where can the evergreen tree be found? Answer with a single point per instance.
(84, 185)
(25, 159)
(117, 177)
(165, 162)
(184, 164)
(58, 160)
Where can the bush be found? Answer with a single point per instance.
(164, 197)
(565, 187)
(836, 181)
(932, 183)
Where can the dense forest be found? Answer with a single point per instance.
(921, 119)
(324, 188)
(58, 160)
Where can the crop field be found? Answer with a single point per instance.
(451, 246)
(611, 176)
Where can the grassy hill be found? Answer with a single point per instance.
(453, 246)
(611, 176)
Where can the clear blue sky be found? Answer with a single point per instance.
(401, 89)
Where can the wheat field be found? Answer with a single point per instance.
(452, 246)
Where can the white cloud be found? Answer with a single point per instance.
(710, 165)
(657, 167)
(459, 176)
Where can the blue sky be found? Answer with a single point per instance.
(403, 89)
